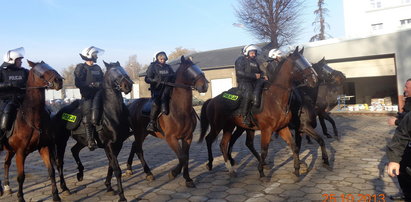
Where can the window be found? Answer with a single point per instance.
(377, 26)
(375, 3)
(405, 22)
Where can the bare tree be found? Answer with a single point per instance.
(133, 67)
(178, 52)
(320, 14)
(276, 21)
(68, 74)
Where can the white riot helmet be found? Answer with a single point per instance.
(155, 58)
(249, 48)
(11, 55)
(91, 53)
(274, 53)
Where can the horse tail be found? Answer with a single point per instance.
(204, 120)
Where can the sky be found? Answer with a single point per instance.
(56, 31)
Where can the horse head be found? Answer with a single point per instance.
(327, 74)
(117, 78)
(44, 76)
(304, 71)
(192, 75)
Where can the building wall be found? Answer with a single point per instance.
(360, 15)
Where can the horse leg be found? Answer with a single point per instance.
(298, 140)
(46, 156)
(111, 154)
(249, 142)
(61, 148)
(331, 120)
(129, 170)
(224, 150)
(20, 158)
(323, 126)
(175, 146)
(310, 131)
(186, 143)
(75, 150)
(288, 138)
(237, 133)
(265, 141)
(140, 155)
(210, 138)
(7, 163)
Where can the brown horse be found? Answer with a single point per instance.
(30, 127)
(179, 124)
(274, 116)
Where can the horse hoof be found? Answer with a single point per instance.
(66, 193)
(171, 175)
(22, 200)
(79, 177)
(57, 199)
(297, 173)
(264, 179)
(303, 168)
(209, 167)
(327, 166)
(190, 184)
(122, 200)
(150, 178)
(129, 173)
(8, 192)
(233, 174)
(233, 162)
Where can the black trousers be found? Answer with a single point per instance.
(404, 178)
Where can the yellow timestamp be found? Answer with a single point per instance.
(354, 198)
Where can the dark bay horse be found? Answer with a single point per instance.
(179, 124)
(112, 131)
(330, 85)
(29, 131)
(274, 117)
(304, 110)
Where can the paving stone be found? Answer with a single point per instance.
(356, 169)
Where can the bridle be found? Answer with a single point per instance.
(39, 70)
(119, 75)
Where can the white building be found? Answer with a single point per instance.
(370, 17)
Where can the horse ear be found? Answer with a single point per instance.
(301, 51)
(31, 64)
(118, 63)
(106, 64)
(42, 62)
(183, 59)
(323, 60)
(296, 50)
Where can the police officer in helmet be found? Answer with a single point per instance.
(158, 73)
(13, 79)
(88, 78)
(248, 72)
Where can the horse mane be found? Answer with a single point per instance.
(272, 72)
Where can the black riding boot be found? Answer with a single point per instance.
(257, 93)
(151, 127)
(245, 105)
(165, 100)
(91, 142)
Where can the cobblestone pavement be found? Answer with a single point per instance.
(356, 160)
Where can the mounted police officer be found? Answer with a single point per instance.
(13, 79)
(157, 74)
(88, 78)
(248, 73)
